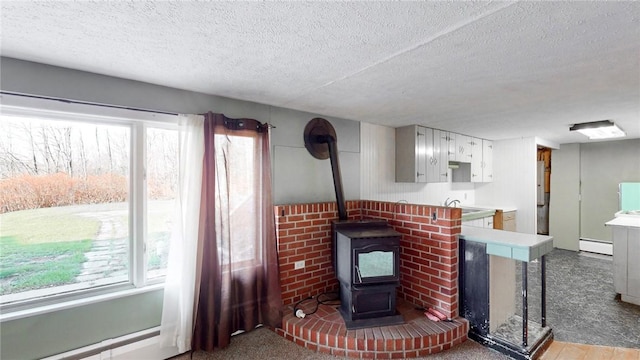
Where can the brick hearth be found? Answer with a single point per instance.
(326, 333)
(428, 278)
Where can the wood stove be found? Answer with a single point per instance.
(366, 254)
(367, 264)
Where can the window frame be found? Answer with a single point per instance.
(138, 122)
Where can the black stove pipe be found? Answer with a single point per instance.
(335, 170)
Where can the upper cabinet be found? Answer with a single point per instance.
(411, 154)
(447, 146)
(463, 148)
(424, 155)
(439, 161)
(481, 160)
(487, 160)
(421, 155)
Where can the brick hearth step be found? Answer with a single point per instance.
(325, 332)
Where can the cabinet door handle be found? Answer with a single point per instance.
(419, 174)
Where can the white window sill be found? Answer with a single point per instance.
(20, 314)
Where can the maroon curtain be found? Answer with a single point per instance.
(238, 285)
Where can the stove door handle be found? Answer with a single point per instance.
(359, 275)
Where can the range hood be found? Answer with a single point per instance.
(460, 171)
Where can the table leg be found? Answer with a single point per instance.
(543, 291)
(525, 310)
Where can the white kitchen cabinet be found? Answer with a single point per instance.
(485, 222)
(447, 153)
(474, 222)
(440, 166)
(476, 159)
(452, 150)
(463, 148)
(500, 220)
(481, 160)
(626, 252)
(487, 160)
(433, 155)
(411, 154)
(421, 155)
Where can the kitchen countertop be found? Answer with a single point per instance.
(479, 214)
(630, 221)
(509, 244)
(493, 207)
(483, 211)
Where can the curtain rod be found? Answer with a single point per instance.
(80, 102)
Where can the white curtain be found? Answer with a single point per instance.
(179, 289)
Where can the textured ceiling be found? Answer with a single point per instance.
(495, 70)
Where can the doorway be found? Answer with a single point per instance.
(543, 190)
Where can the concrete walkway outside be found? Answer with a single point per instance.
(107, 261)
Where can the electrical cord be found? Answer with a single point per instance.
(299, 313)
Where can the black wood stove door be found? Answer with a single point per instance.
(367, 302)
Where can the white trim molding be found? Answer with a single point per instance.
(141, 345)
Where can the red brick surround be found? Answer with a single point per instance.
(304, 233)
(428, 255)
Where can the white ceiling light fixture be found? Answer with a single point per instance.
(604, 129)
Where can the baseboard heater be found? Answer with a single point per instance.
(119, 347)
(596, 246)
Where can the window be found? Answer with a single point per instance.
(162, 182)
(85, 201)
(236, 158)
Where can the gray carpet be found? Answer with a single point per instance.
(263, 344)
(582, 306)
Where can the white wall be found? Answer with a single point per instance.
(514, 181)
(377, 169)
